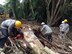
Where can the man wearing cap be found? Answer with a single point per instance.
(47, 31)
(64, 29)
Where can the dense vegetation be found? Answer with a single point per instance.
(49, 11)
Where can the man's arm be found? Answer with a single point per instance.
(42, 28)
(10, 30)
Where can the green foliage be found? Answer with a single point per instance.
(28, 9)
(37, 9)
(15, 7)
(34, 9)
(67, 10)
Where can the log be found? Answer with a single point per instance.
(36, 44)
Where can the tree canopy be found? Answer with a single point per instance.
(49, 11)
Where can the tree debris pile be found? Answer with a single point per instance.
(57, 44)
(33, 36)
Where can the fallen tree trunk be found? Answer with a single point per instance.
(36, 44)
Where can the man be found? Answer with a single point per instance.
(47, 31)
(61, 28)
(11, 28)
(64, 29)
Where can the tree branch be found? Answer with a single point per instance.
(56, 6)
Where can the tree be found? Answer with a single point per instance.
(49, 11)
(34, 9)
(15, 7)
(54, 8)
(67, 10)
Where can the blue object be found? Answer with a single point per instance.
(3, 37)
